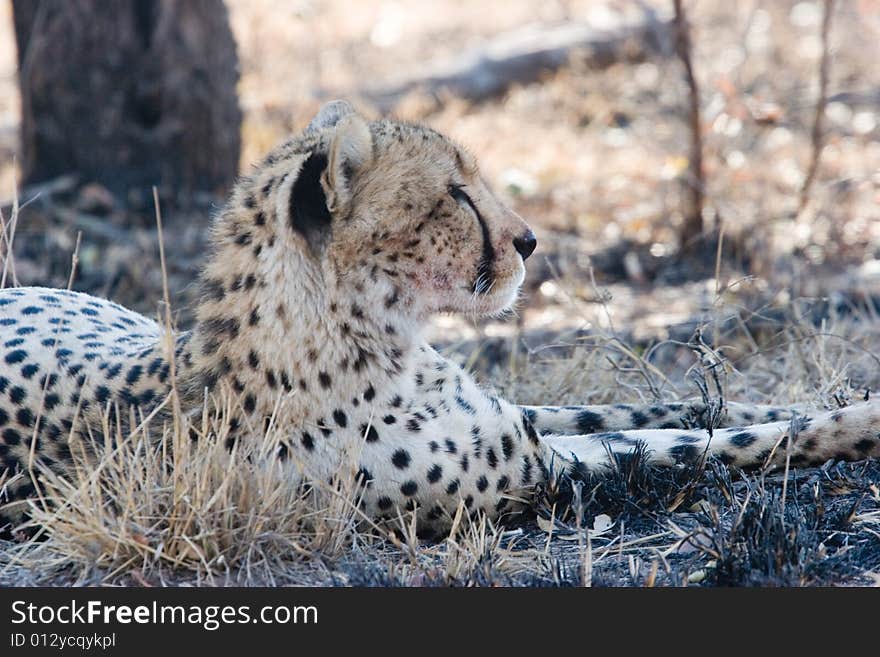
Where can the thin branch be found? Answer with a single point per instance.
(693, 221)
(818, 132)
(74, 260)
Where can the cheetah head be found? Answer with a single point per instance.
(399, 210)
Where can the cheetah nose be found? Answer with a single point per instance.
(525, 244)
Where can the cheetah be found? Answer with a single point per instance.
(324, 266)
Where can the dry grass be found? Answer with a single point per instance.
(805, 350)
(150, 504)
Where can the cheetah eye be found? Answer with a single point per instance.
(457, 192)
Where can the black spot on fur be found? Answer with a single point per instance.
(613, 437)
(685, 453)
(865, 446)
(639, 419)
(11, 437)
(308, 441)
(526, 472)
(401, 459)
(530, 430)
(370, 434)
(16, 356)
(219, 326)
(134, 374)
(24, 417)
(589, 422)
(435, 473)
(506, 446)
(464, 405)
(28, 371)
(743, 439)
(17, 394)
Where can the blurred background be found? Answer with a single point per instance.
(706, 165)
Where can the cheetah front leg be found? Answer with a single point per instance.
(850, 433)
(580, 420)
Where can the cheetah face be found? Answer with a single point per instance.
(412, 217)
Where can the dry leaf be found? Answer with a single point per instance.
(696, 577)
(601, 524)
(545, 524)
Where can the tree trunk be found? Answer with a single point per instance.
(130, 94)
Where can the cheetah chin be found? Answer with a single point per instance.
(324, 265)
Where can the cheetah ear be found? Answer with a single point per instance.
(308, 209)
(323, 184)
(350, 151)
(329, 114)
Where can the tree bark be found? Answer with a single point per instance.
(129, 94)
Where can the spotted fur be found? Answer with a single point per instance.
(325, 264)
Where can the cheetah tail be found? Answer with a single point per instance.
(850, 433)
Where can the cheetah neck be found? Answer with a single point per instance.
(273, 322)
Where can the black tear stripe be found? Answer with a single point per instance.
(487, 259)
(308, 203)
